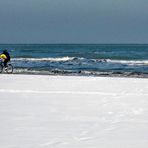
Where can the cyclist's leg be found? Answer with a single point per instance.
(5, 63)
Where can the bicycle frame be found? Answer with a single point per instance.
(8, 65)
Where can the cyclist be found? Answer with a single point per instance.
(5, 58)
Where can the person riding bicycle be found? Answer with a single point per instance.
(5, 58)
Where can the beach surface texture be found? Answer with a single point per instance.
(73, 112)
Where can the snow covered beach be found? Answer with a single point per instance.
(73, 112)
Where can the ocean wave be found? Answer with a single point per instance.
(44, 59)
(82, 60)
(129, 62)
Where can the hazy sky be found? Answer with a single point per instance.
(73, 21)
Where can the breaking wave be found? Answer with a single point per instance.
(44, 59)
(80, 66)
(129, 62)
(80, 59)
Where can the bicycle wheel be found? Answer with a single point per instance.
(1, 68)
(9, 68)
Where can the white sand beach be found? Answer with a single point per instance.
(73, 112)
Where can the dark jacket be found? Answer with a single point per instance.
(7, 55)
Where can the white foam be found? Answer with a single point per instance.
(44, 59)
(58, 59)
(130, 62)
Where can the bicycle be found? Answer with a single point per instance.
(9, 68)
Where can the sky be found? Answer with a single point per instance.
(73, 21)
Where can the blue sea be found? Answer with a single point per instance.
(79, 59)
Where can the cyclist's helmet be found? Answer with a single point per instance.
(5, 51)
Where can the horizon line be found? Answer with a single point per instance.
(75, 43)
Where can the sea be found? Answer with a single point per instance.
(129, 60)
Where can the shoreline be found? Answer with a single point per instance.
(83, 75)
